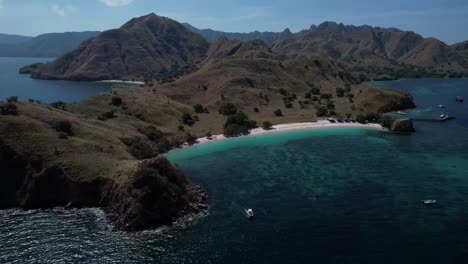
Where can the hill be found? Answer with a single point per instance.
(12, 39)
(268, 37)
(145, 47)
(375, 52)
(50, 45)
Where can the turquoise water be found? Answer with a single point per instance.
(337, 195)
(15, 84)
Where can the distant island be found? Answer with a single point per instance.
(106, 150)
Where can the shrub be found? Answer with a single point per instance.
(59, 105)
(187, 119)
(8, 109)
(288, 105)
(190, 139)
(12, 99)
(361, 119)
(227, 109)
(152, 133)
(116, 101)
(64, 126)
(321, 111)
(331, 113)
(283, 92)
(140, 150)
(330, 105)
(278, 112)
(315, 91)
(107, 115)
(181, 128)
(198, 108)
(256, 110)
(308, 95)
(208, 135)
(238, 124)
(340, 92)
(326, 96)
(315, 98)
(163, 145)
(267, 125)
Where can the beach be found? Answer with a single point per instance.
(293, 126)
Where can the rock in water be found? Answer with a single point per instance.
(402, 125)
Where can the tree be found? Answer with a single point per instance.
(308, 95)
(267, 125)
(141, 150)
(315, 91)
(12, 99)
(187, 119)
(64, 126)
(278, 112)
(321, 111)
(238, 124)
(256, 110)
(190, 139)
(116, 101)
(340, 92)
(198, 108)
(227, 109)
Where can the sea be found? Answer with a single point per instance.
(14, 84)
(327, 195)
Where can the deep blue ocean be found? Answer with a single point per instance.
(14, 84)
(328, 195)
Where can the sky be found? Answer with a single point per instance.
(446, 20)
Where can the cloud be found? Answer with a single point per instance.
(62, 10)
(114, 3)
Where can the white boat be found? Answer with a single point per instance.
(443, 116)
(429, 201)
(442, 106)
(249, 213)
(401, 113)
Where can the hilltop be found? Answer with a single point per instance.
(49, 45)
(145, 47)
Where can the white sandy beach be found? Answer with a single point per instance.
(120, 81)
(295, 126)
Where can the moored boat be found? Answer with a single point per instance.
(427, 202)
(249, 213)
(401, 113)
(442, 106)
(460, 99)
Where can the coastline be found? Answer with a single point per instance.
(120, 81)
(290, 127)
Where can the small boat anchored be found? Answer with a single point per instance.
(442, 106)
(460, 99)
(249, 213)
(401, 113)
(427, 202)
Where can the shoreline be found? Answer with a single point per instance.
(120, 81)
(290, 127)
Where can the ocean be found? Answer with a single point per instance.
(328, 195)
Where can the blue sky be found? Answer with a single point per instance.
(444, 19)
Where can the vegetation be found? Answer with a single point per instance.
(340, 92)
(59, 105)
(141, 150)
(321, 111)
(278, 112)
(190, 139)
(238, 124)
(227, 109)
(107, 115)
(199, 108)
(8, 109)
(187, 119)
(152, 133)
(315, 91)
(116, 101)
(64, 126)
(267, 125)
(12, 99)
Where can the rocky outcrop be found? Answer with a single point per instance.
(156, 194)
(403, 125)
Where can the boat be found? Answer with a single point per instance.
(249, 213)
(460, 99)
(401, 113)
(429, 201)
(443, 116)
(442, 106)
